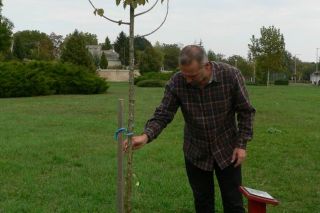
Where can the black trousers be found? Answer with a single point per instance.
(202, 185)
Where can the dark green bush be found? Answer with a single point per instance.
(153, 76)
(46, 78)
(281, 82)
(152, 83)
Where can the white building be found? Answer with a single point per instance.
(112, 56)
(315, 78)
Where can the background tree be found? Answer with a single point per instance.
(211, 55)
(107, 44)
(268, 51)
(75, 51)
(32, 44)
(242, 64)
(103, 61)
(150, 61)
(57, 41)
(89, 38)
(171, 56)
(6, 27)
(121, 46)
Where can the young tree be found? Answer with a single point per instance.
(75, 51)
(133, 4)
(103, 61)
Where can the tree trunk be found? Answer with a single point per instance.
(128, 207)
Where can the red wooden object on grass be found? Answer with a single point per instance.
(257, 200)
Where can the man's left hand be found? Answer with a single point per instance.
(238, 156)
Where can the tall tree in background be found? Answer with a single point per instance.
(75, 51)
(57, 41)
(268, 51)
(150, 60)
(88, 38)
(32, 44)
(242, 64)
(171, 56)
(107, 44)
(133, 4)
(121, 46)
(6, 27)
(211, 56)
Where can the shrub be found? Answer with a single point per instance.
(152, 83)
(281, 82)
(46, 78)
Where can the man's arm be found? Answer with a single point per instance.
(163, 114)
(244, 109)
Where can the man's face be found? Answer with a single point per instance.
(194, 73)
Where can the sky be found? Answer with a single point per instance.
(224, 26)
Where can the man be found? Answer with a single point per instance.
(211, 96)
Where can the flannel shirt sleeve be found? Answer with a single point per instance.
(163, 114)
(244, 109)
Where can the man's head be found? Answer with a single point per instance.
(194, 65)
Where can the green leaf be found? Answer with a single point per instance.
(100, 12)
(118, 2)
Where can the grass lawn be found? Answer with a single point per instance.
(57, 153)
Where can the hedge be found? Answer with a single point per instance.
(23, 79)
(281, 82)
(152, 83)
(153, 76)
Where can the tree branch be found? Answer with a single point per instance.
(109, 19)
(139, 14)
(165, 18)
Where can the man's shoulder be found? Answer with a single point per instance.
(176, 80)
(227, 70)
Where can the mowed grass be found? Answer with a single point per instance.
(57, 153)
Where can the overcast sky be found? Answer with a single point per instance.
(225, 26)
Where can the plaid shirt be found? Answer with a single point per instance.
(218, 118)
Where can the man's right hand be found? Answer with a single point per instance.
(137, 142)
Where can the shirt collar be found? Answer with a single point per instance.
(214, 69)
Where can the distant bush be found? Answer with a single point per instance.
(19, 79)
(153, 76)
(281, 82)
(152, 83)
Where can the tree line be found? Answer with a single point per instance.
(267, 53)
